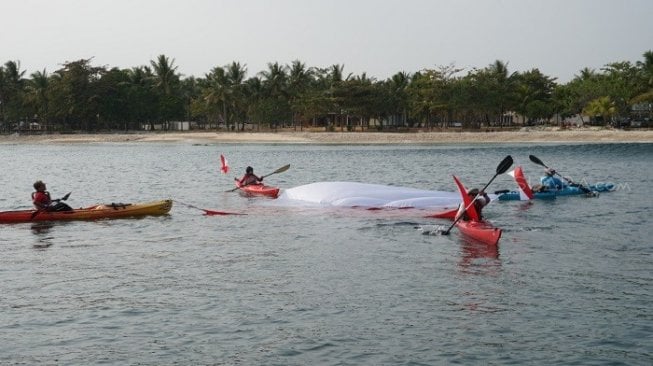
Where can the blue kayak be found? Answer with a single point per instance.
(567, 191)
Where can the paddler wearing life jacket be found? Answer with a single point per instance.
(550, 182)
(42, 201)
(249, 178)
(481, 201)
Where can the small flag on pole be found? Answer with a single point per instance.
(224, 166)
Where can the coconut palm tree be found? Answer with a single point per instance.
(165, 72)
(37, 94)
(216, 92)
(585, 74)
(646, 71)
(12, 86)
(299, 80)
(398, 86)
(602, 106)
(503, 94)
(235, 76)
(275, 80)
(167, 85)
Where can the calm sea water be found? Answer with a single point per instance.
(570, 282)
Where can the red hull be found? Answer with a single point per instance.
(259, 190)
(480, 230)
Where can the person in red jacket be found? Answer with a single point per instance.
(42, 201)
(249, 178)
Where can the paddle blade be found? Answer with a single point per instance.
(66, 196)
(536, 160)
(224, 165)
(504, 165)
(281, 170)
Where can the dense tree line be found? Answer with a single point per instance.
(83, 97)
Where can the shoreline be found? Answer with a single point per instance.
(582, 135)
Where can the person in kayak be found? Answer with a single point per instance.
(249, 178)
(551, 182)
(481, 201)
(42, 201)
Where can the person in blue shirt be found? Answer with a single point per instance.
(551, 182)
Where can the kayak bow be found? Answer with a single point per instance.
(480, 230)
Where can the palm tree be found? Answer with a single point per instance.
(505, 85)
(12, 86)
(602, 106)
(165, 73)
(235, 76)
(299, 80)
(586, 74)
(37, 89)
(3, 96)
(252, 95)
(216, 94)
(275, 86)
(274, 79)
(167, 84)
(646, 70)
(398, 85)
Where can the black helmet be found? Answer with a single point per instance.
(249, 170)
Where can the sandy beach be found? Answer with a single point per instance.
(549, 135)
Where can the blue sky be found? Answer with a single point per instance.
(380, 37)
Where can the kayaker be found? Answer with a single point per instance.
(482, 200)
(42, 201)
(551, 182)
(249, 177)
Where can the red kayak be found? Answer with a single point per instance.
(480, 230)
(258, 190)
(475, 227)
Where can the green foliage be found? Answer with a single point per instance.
(602, 107)
(80, 96)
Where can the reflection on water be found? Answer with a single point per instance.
(41, 231)
(478, 258)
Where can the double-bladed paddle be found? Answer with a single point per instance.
(280, 170)
(537, 161)
(35, 213)
(503, 167)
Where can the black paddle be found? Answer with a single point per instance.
(503, 167)
(537, 161)
(280, 170)
(35, 213)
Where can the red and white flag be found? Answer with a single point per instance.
(224, 166)
(525, 191)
